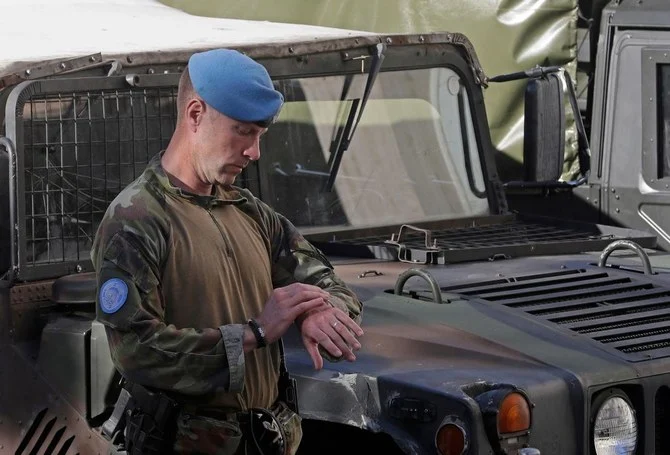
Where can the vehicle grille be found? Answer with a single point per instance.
(491, 237)
(628, 314)
(42, 437)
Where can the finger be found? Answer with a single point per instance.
(305, 306)
(303, 296)
(337, 340)
(349, 323)
(313, 350)
(297, 288)
(347, 336)
(327, 343)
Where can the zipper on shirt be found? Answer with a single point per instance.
(224, 236)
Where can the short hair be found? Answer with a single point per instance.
(185, 93)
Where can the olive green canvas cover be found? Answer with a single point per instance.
(508, 35)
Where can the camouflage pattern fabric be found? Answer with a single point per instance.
(204, 435)
(291, 424)
(198, 434)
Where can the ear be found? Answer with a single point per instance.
(195, 109)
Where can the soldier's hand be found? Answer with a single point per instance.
(334, 330)
(286, 304)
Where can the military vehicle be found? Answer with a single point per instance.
(627, 114)
(487, 331)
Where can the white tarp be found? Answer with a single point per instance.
(38, 30)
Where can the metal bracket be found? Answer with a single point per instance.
(407, 274)
(51, 69)
(405, 254)
(626, 245)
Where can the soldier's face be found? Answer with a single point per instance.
(225, 147)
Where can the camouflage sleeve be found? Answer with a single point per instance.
(144, 348)
(297, 260)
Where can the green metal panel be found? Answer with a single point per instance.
(509, 35)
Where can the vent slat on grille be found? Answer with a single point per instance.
(615, 321)
(621, 311)
(577, 293)
(512, 285)
(629, 330)
(463, 289)
(549, 289)
(610, 310)
(590, 302)
(638, 341)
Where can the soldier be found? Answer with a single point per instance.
(198, 279)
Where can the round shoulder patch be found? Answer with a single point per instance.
(113, 294)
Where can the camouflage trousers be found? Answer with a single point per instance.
(197, 434)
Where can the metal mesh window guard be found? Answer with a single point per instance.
(79, 150)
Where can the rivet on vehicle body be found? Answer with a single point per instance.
(617, 197)
(151, 71)
(389, 40)
(28, 72)
(421, 39)
(63, 66)
(564, 266)
(613, 190)
(79, 268)
(290, 50)
(92, 58)
(617, 210)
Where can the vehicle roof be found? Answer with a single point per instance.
(36, 31)
(654, 13)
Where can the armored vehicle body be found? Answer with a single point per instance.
(486, 331)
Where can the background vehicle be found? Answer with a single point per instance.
(519, 333)
(622, 98)
(628, 120)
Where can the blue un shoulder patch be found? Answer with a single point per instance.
(113, 294)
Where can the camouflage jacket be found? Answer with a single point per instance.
(134, 254)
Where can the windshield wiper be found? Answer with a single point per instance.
(344, 138)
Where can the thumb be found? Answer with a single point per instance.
(313, 350)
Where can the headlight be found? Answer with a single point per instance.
(615, 425)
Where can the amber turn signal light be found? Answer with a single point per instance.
(450, 439)
(513, 414)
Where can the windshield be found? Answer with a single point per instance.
(413, 156)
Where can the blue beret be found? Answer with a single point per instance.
(235, 85)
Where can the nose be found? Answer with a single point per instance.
(254, 152)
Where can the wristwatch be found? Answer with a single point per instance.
(258, 332)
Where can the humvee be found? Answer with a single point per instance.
(626, 113)
(487, 331)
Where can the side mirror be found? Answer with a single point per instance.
(545, 127)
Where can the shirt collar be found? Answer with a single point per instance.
(229, 195)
